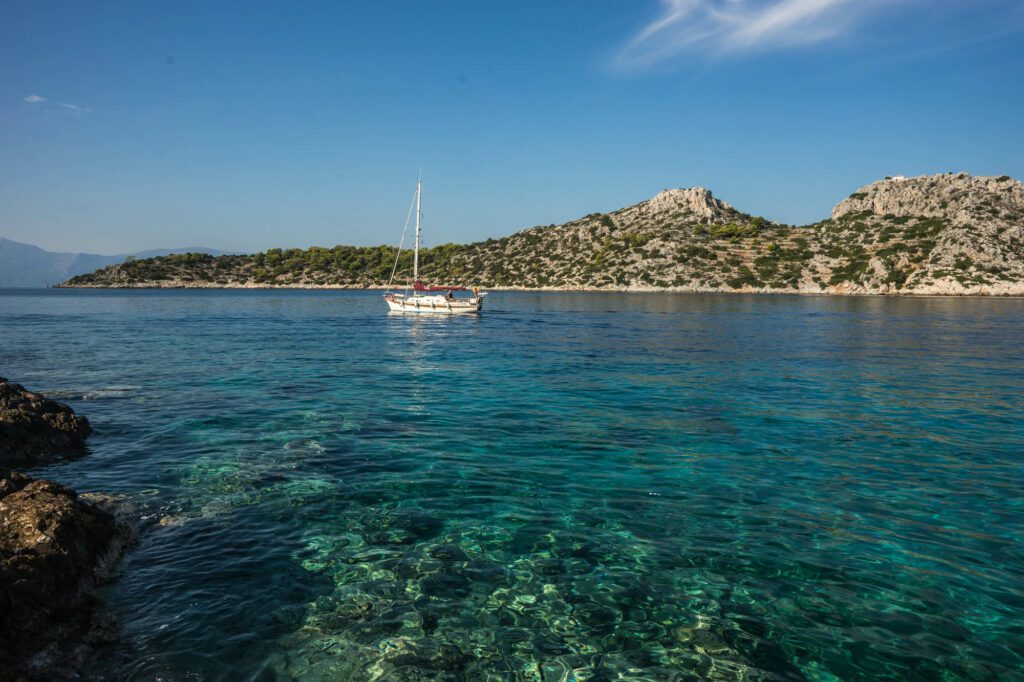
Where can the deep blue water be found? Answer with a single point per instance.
(572, 486)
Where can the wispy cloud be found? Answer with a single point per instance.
(724, 27)
(65, 107)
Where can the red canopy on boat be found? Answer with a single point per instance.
(420, 286)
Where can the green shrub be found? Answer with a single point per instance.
(853, 271)
(963, 263)
(744, 278)
(897, 277)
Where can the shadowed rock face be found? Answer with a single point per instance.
(32, 426)
(51, 545)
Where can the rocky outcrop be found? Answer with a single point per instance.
(54, 544)
(959, 198)
(32, 426)
(697, 202)
(54, 547)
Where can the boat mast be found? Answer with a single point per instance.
(416, 255)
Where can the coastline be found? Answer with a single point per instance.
(943, 290)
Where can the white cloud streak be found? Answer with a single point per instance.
(66, 107)
(725, 27)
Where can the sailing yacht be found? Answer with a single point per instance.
(429, 299)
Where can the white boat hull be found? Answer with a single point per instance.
(434, 305)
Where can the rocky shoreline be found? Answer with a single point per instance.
(56, 546)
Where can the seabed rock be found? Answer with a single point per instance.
(32, 427)
(450, 607)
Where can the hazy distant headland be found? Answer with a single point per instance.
(25, 265)
(949, 234)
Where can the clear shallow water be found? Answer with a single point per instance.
(574, 486)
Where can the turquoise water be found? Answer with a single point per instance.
(571, 487)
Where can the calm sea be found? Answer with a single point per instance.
(570, 487)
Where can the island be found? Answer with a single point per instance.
(948, 234)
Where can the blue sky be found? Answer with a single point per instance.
(126, 126)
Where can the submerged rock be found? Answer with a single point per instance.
(32, 426)
(54, 548)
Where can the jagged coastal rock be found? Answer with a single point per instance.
(54, 547)
(949, 234)
(32, 426)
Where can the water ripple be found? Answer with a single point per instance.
(573, 487)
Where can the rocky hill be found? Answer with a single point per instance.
(939, 234)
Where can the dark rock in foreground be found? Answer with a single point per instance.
(54, 547)
(31, 426)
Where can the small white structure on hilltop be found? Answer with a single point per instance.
(899, 178)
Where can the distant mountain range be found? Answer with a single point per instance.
(24, 265)
(932, 235)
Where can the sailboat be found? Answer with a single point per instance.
(429, 299)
